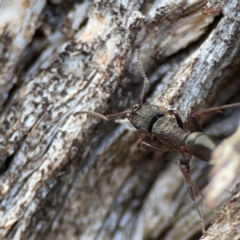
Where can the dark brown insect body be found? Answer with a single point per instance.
(152, 122)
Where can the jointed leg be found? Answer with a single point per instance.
(191, 187)
(145, 142)
(193, 124)
(149, 146)
(177, 117)
(215, 109)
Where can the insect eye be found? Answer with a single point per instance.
(135, 108)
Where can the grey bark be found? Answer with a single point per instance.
(68, 175)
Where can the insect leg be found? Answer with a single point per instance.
(146, 142)
(185, 169)
(149, 146)
(177, 117)
(193, 124)
(215, 109)
(191, 186)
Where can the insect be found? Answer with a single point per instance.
(165, 133)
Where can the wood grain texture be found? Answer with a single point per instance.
(66, 175)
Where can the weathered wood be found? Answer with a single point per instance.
(66, 175)
(226, 224)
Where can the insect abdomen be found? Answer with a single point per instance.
(200, 145)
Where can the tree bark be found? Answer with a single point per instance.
(68, 175)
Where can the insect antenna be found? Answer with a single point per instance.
(100, 116)
(124, 113)
(93, 114)
(116, 115)
(145, 79)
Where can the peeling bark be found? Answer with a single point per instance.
(66, 175)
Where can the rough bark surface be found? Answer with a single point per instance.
(65, 175)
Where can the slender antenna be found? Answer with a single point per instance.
(106, 118)
(145, 79)
(93, 114)
(116, 115)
